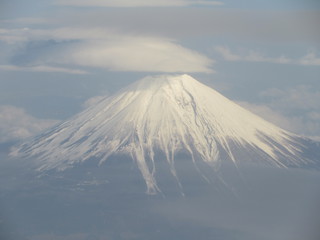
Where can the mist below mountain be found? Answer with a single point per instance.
(251, 202)
(165, 158)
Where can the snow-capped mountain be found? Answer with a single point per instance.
(166, 115)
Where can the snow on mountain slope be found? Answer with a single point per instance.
(161, 113)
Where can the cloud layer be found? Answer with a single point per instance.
(282, 107)
(137, 54)
(262, 26)
(137, 3)
(16, 124)
(309, 59)
(42, 68)
(61, 50)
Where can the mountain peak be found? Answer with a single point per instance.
(168, 78)
(160, 81)
(166, 113)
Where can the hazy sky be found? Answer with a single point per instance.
(59, 56)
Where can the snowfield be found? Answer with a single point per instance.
(167, 114)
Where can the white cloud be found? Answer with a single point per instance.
(227, 54)
(308, 125)
(262, 26)
(137, 3)
(295, 109)
(310, 59)
(16, 124)
(101, 48)
(12, 36)
(252, 56)
(135, 54)
(41, 68)
(21, 35)
(299, 98)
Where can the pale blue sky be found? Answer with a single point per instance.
(55, 55)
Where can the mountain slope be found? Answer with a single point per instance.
(166, 114)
